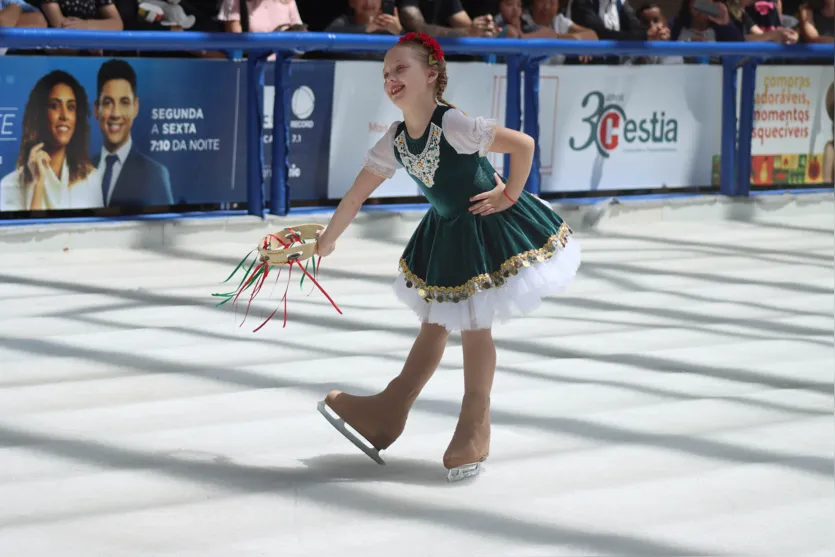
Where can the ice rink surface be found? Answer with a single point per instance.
(678, 400)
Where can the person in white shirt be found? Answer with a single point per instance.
(53, 169)
(546, 14)
(611, 19)
(542, 22)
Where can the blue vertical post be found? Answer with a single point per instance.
(254, 149)
(531, 119)
(513, 108)
(728, 145)
(279, 188)
(746, 127)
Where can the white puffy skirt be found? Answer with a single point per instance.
(519, 295)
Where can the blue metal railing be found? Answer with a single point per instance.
(523, 57)
(293, 42)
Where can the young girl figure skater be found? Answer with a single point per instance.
(484, 250)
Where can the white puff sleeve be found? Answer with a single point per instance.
(380, 159)
(467, 134)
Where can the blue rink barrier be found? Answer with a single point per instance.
(523, 59)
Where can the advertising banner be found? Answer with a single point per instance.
(791, 141)
(309, 116)
(632, 127)
(363, 114)
(79, 133)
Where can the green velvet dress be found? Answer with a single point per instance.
(462, 270)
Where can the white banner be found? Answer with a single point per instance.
(791, 125)
(362, 114)
(611, 128)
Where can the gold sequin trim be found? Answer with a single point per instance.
(486, 281)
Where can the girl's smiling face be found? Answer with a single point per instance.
(406, 76)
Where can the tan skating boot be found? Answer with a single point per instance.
(379, 418)
(470, 444)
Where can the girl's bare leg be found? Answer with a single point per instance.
(471, 441)
(381, 418)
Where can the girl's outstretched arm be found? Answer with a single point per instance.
(364, 185)
(379, 165)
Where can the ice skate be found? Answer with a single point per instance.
(378, 420)
(470, 445)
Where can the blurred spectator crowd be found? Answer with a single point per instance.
(779, 21)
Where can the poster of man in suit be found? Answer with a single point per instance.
(80, 133)
(129, 177)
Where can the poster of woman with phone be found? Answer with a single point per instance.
(53, 169)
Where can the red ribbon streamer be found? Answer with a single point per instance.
(264, 268)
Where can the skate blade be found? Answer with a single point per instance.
(466, 471)
(342, 428)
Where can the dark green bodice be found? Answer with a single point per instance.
(446, 178)
(453, 253)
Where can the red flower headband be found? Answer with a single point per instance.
(436, 54)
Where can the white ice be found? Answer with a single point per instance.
(678, 400)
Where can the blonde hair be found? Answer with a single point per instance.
(423, 53)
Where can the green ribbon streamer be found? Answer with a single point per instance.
(239, 266)
(304, 275)
(231, 295)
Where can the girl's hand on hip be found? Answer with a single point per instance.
(493, 201)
